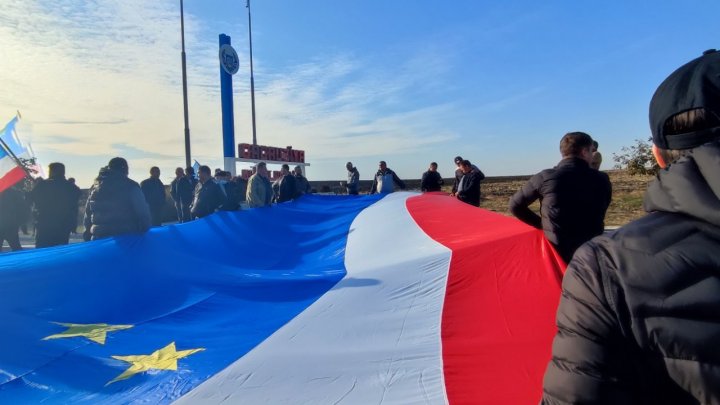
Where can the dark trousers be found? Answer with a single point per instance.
(183, 211)
(51, 236)
(156, 215)
(10, 234)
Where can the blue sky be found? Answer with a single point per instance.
(405, 81)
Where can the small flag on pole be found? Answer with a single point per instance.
(12, 150)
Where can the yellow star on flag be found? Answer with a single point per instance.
(97, 332)
(163, 359)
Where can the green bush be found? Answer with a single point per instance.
(637, 159)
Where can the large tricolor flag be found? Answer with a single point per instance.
(11, 149)
(403, 298)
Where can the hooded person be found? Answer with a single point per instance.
(116, 204)
(638, 317)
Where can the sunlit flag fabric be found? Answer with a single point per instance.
(403, 298)
(10, 172)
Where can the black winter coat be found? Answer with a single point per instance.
(459, 175)
(154, 191)
(14, 210)
(56, 205)
(639, 317)
(286, 189)
(208, 198)
(469, 187)
(431, 181)
(115, 206)
(573, 200)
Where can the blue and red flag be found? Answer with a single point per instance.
(403, 298)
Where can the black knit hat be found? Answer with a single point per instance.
(692, 86)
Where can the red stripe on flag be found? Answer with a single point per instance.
(502, 293)
(11, 177)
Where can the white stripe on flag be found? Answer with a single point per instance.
(373, 338)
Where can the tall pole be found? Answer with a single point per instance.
(252, 77)
(184, 81)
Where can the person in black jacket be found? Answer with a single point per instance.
(431, 179)
(573, 197)
(285, 188)
(14, 211)
(154, 191)
(638, 317)
(469, 186)
(181, 193)
(302, 183)
(459, 174)
(116, 204)
(208, 195)
(56, 207)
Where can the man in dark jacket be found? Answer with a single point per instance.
(285, 188)
(116, 204)
(301, 182)
(230, 189)
(638, 318)
(56, 207)
(385, 179)
(469, 186)
(573, 197)
(14, 212)
(431, 179)
(459, 174)
(154, 191)
(181, 193)
(186, 190)
(208, 195)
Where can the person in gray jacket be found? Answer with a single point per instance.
(638, 321)
(259, 190)
(353, 179)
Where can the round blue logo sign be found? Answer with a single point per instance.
(229, 59)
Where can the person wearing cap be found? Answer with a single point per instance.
(385, 180)
(459, 173)
(353, 179)
(638, 317)
(431, 179)
(56, 205)
(116, 204)
(573, 197)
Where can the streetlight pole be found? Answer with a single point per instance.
(184, 82)
(252, 77)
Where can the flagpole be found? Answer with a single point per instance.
(184, 82)
(252, 77)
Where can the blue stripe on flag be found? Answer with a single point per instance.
(222, 284)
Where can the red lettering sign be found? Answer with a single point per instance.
(271, 153)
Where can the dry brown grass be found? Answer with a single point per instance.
(628, 192)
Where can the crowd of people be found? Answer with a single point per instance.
(637, 320)
(116, 204)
